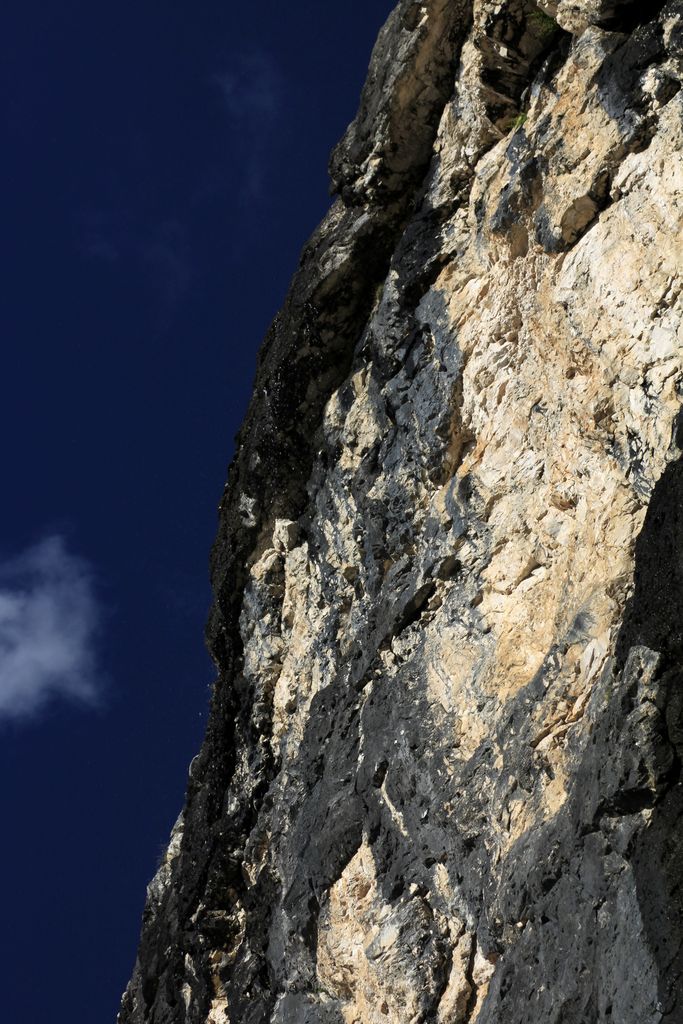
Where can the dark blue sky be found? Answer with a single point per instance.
(163, 164)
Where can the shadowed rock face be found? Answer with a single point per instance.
(441, 779)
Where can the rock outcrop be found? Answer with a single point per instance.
(441, 779)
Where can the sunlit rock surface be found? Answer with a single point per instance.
(441, 780)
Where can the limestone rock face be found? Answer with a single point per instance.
(441, 780)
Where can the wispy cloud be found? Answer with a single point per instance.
(252, 92)
(158, 251)
(48, 624)
(167, 263)
(251, 86)
(100, 235)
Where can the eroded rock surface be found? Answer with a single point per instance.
(441, 780)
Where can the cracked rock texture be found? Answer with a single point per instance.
(441, 779)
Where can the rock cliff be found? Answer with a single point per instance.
(441, 779)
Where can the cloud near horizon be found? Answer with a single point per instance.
(49, 620)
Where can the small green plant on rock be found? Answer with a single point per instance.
(513, 122)
(542, 24)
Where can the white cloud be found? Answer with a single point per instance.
(252, 90)
(48, 624)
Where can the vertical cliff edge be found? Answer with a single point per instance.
(441, 782)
